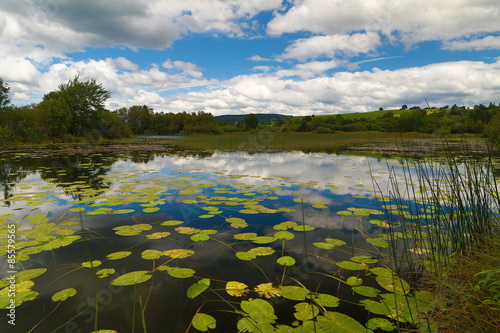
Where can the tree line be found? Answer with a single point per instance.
(77, 109)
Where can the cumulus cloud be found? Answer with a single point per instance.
(411, 21)
(187, 68)
(486, 43)
(441, 83)
(329, 46)
(72, 25)
(308, 70)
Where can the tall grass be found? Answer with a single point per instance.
(444, 216)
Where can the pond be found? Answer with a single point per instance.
(151, 239)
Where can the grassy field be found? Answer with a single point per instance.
(355, 141)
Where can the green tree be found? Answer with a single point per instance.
(85, 100)
(492, 130)
(54, 117)
(251, 121)
(4, 94)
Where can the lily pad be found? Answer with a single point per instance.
(64, 294)
(286, 235)
(294, 293)
(91, 264)
(350, 265)
(286, 261)
(237, 222)
(237, 289)
(197, 288)
(118, 255)
(261, 251)
(179, 272)
(131, 278)
(245, 256)
(203, 322)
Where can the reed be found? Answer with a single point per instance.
(447, 238)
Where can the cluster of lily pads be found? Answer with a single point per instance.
(219, 212)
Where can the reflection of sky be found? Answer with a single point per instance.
(351, 175)
(342, 171)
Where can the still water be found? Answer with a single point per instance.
(174, 219)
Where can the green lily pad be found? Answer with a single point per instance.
(364, 259)
(118, 255)
(286, 261)
(294, 293)
(245, 236)
(64, 294)
(303, 228)
(261, 251)
(366, 291)
(378, 242)
(131, 278)
(336, 242)
(382, 323)
(393, 284)
(305, 311)
(263, 239)
(326, 246)
(327, 300)
(179, 272)
(245, 256)
(172, 222)
(199, 237)
(354, 281)
(259, 310)
(286, 235)
(339, 322)
(350, 265)
(105, 272)
(158, 235)
(151, 254)
(203, 322)
(198, 287)
(91, 264)
(237, 222)
(178, 253)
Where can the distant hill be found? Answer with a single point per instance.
(353, 116)
(241, 117)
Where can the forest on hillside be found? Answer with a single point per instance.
(77, 109)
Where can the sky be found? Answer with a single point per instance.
(294, 57)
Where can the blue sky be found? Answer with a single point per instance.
(294, 57)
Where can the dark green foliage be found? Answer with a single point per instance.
(142, 120)
(54, 117)
(85, 100)
(251, 121)
(75, 109)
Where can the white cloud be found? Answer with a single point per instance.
(329, 46)
(72, 25)
(464, 82)
(486, 43)
(308, 70)
(410, 21)
(258, 58)
(187, 68)
(123, 63)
